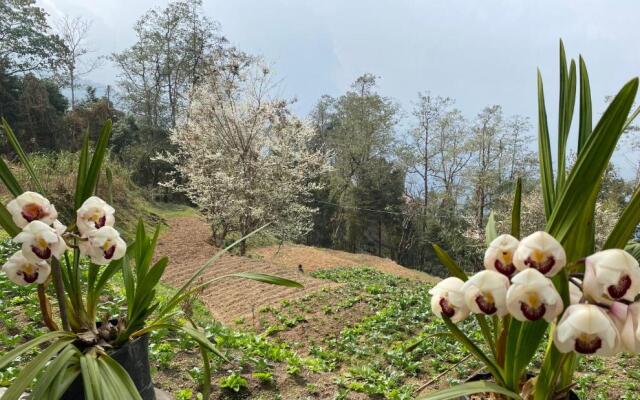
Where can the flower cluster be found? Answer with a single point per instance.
(603, 317)
(43, 236)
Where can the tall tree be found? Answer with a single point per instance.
(26, 41)
(243, 159)
(175, 47)
(73, 64)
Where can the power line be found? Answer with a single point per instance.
(362, 209)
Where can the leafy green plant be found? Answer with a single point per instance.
(77, 348)
(234, 382)
(569, 202)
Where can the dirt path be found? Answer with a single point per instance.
(185, 243)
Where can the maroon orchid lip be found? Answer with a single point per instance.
(543, 267)
(447, 310)
(619, 290)
(33, 212)
(588, 346)
(29, 278)
(108, 253)
(506, 270)
(487, 307)
(41, 253)
(532, 313)
(101, 222)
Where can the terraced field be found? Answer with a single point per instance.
(185, 243)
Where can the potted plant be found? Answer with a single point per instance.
(85, 357)
(552, 283)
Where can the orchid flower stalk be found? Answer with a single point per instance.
(595, 315)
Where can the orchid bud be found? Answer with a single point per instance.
(587, 329)
(486, 292)
(40, 242)
(23, 272)
(575, 294)
(94, 214)
(447, 300)
(532, 296)
(499, 255)
(31, 206)
(103, 246)
(542, 252)
(611, 275)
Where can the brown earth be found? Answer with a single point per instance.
(185, 243)
(314, 258)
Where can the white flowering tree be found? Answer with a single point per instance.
(242, 158)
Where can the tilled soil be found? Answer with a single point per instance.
(185, 243)
(314, 258)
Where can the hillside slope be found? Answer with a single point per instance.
(185, 243)
(314, 258)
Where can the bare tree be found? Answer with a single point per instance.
(73, 32)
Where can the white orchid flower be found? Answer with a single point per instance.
(540, 251)
(447, 300)
(103, 246)
(532, 296)
(499, 255)
(23, 272)
(31, 206)
(486, 293)
(587, 329)
(94, 214)
(40, 242)
(627, 319)
(611, 275)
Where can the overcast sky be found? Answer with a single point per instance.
(479, 52)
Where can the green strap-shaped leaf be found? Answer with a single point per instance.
(201, 339)
(516, 210)
(475, 350)
(586, 119)
(591, 164)
(490, 232)
(82, 172)
(117, 378)
(65, 359)
(10, 356)
(448, 262)
(9, 179)
(265, 278)
(6, 221)
(15, 144)
(544, 153)
(93, 172)
(464, 389)
(626, 225)
(33, 368)
(565, 113)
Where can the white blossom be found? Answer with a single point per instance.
(540, 251)
(532, 296)
(23, 272)
(587, 329)
(31, 206)
(40, 242)
(447, 299)
(627, 319)
(103, 246)
(94, 214)
(611, 275)
(499, 255)
(486, 293)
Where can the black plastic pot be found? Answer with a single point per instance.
(134, 357)
(488, 377)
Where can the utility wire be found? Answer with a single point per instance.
(363, 209)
